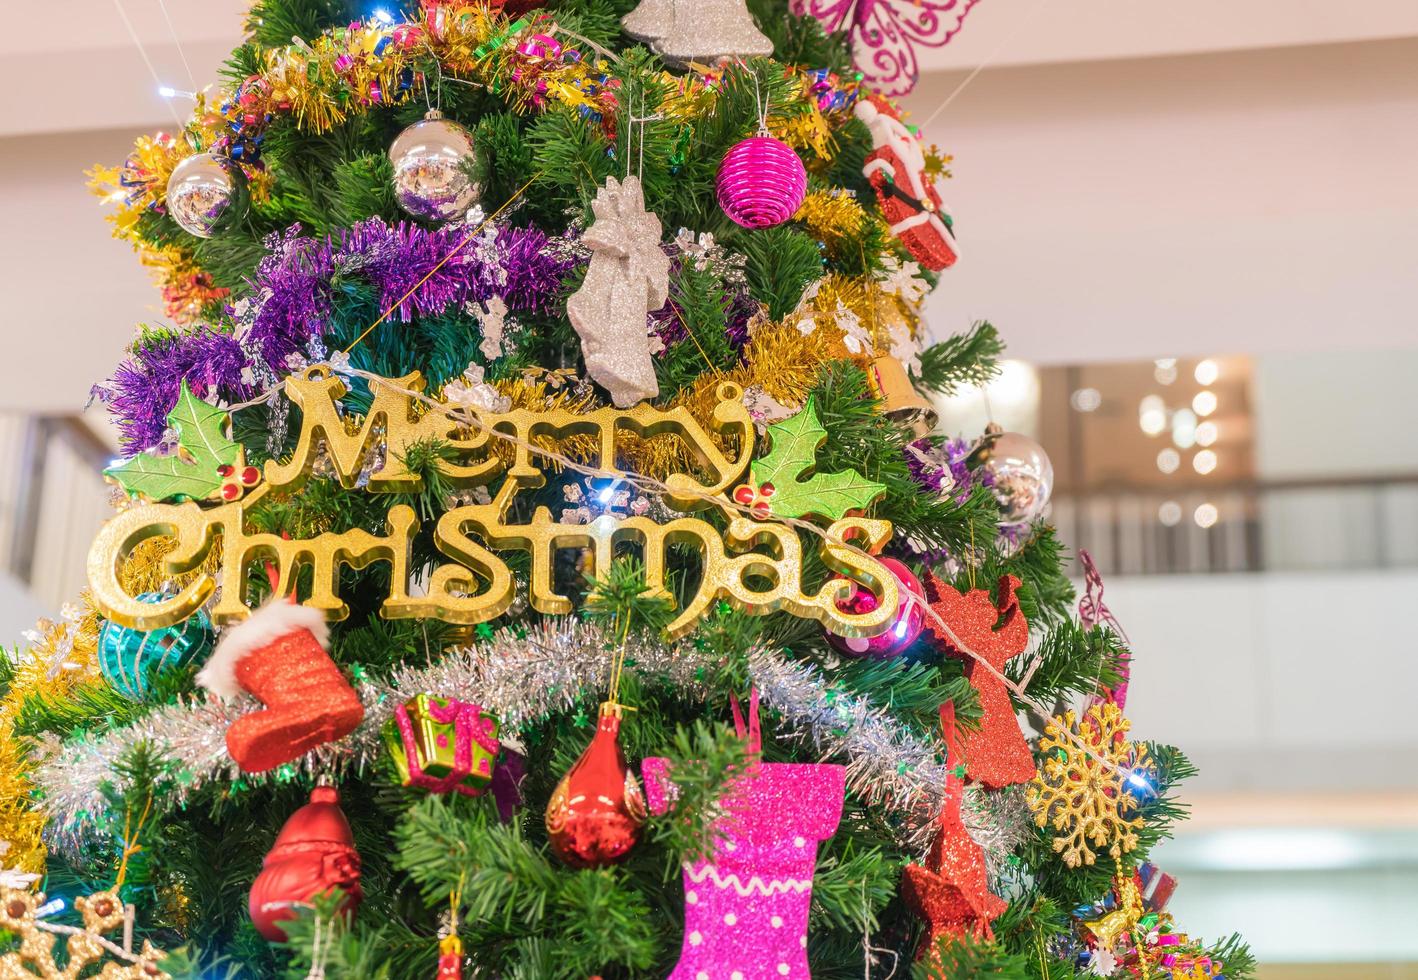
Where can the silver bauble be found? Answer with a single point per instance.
(207, 193)
(435, 163)
(1023, 477)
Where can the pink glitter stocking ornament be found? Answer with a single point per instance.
(745, 911)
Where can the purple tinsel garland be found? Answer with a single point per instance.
(146, 386)
(950, 460)
(296, 282)
(294, 291)
(942, 469)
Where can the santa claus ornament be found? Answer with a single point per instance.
(280, 655)
(996, 755)
(896, 169)
(314, 855)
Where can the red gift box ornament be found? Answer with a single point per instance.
(425, 755)
(996, 755)
(313, 855)
(280, 655)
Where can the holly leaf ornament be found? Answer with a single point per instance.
(787, 479)
(194, 472)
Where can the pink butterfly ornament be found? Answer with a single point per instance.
(885, 33)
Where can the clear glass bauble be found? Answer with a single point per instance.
(207, 193)
(436, 169)
(1023, 478)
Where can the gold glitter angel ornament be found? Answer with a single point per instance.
(629, 276)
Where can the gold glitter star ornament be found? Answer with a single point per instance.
(1081, 786)
(87, 947)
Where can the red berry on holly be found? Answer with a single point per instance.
(230, 491)
(250, 476)
(744, 494)
(225, 470)
(766, 490)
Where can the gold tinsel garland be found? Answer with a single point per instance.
(139, 186)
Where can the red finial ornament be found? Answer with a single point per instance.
(996, 755)
(952, 892)
(450, 959)
(595, 815)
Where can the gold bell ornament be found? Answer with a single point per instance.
(903, 403)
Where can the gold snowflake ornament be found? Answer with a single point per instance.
(103, 912)
(1080, 788)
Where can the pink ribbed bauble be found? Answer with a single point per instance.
(761, 182)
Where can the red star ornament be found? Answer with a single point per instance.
(952, 892)
(996, 755)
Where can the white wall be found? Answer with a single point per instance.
(1341, 414)
(1241, 202)
(73, 294)
(1277, 681)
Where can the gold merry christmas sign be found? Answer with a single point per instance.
(756, 565)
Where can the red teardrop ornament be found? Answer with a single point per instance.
(595, 815)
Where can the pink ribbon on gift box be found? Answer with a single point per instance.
(470, 726)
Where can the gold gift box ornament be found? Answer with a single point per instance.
(443, 745)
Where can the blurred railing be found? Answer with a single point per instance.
(52, 500)
(1290, 525)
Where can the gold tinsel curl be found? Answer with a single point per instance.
(61, 661)
(807, 131)
(779, 358)
(879, 312)
(833, 217)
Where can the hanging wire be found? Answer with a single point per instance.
(177, 42)
(988, 60)
(152, 69)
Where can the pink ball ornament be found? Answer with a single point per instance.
(761, 182)
(910, 616)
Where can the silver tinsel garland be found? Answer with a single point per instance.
(522, 679)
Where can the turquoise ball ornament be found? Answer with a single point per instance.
(130, 658)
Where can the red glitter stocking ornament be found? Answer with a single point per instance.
(952, 892)
(996, 755)
(279, 655)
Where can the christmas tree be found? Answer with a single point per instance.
(534, 557)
